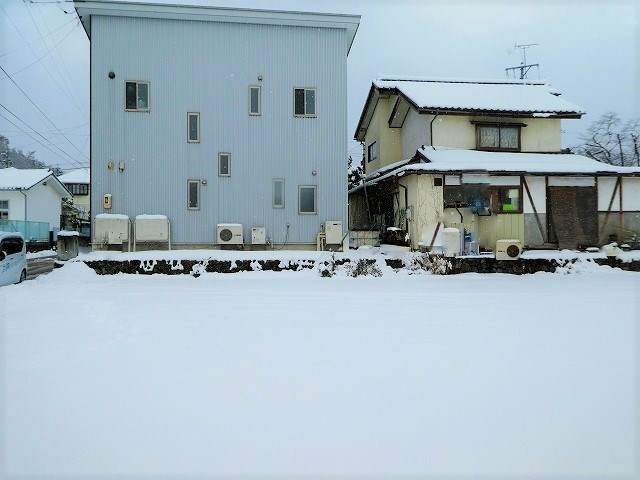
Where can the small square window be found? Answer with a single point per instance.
(307, 199)
(304, 102)
(136, 96)
(193, 127)
(255, 100)
(507, 199)
(372, 152)
(224, 164)
(193, 195)
(278, 193)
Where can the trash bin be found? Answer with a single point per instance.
(67, 245)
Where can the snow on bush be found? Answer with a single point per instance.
(431, 263)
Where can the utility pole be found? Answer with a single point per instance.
(523, 67)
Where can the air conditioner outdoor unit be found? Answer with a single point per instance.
(230, 234)
(508, 249)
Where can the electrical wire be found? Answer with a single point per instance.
(25, 45)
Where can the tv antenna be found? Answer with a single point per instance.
(523, 67)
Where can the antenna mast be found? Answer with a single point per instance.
(523, 67)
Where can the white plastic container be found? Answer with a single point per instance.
(451, 241)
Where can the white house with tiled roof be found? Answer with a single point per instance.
(484, 156)
(30, 195)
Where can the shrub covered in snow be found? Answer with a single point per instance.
(433, 263)
(364, 268)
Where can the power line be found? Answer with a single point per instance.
(35, 139)
(40, 110)
(37, 133)
(25, 45)
(36, 55)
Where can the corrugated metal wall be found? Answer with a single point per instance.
(207, 67)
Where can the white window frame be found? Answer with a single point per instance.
(220, 155)
(189, 115)
(259, 112)
(138, 109)
(4, 211)
(315, 102)
(273, 196)
(315, 199)
(189, 182)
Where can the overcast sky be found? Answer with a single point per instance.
(589, 50)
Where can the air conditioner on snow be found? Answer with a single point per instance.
(230, 234)
(508, 249)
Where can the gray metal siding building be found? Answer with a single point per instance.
(204, 60)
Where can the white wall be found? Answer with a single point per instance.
(16, 204)
(44, 204)
(538, 191)
(631, 194)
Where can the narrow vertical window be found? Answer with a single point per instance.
(193, 195)
(136, 96)
(278, 193)
(193, 127)
(304, 102)
(4, 209)
(224, 164)
(307, 199)
(255, 100)
(373, 152)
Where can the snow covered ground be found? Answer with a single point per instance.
(274, 375)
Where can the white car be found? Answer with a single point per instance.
(13, 258)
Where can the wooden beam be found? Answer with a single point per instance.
(613, 196)
(535, 210)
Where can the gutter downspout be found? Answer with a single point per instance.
(25, 205)
(431, 127)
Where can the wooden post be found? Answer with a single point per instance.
(613, 196)
(535, 210)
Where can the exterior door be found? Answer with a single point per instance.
(573, 216)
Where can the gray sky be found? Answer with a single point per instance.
(589, 50)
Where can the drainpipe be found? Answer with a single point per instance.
(25, 205)
(431, 127)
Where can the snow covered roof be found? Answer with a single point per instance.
(454, 160)
(24, 178)
(474, 96)
(81, 175)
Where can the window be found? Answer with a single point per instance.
(304, 102)
(12, 245)
(307, 199)
(193, 195)
(193, 127)
(255, 100)
(224, 164)
(4, 209)
(78, 188)
(498, 137)
(137, 96)
(480, 198)
(507, 200)
(278, 193)
(372, 152)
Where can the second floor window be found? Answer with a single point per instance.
(372, 152)
(78, 188)
(304, 102)
(136, 96)
(498, 137)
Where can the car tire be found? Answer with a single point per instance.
(23, 276)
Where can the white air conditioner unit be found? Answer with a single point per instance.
(508, 249)
(230, 234)
(258, 236)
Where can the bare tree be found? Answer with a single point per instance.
(610, 140)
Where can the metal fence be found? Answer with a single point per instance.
(31, 231)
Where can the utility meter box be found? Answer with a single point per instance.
(107, 201)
